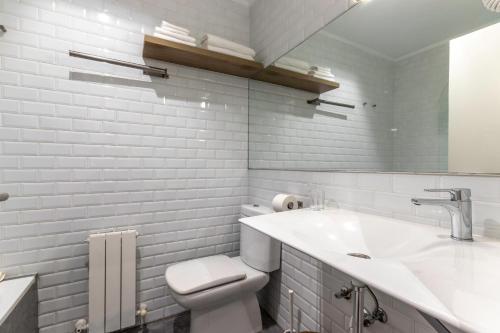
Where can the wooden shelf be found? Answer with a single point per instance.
(178, 53)
(284, 77)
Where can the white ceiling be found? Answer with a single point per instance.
(395, 28)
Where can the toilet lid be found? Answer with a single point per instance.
(204, 273)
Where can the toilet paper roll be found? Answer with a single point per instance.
(283, 202)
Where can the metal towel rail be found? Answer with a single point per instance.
(148, 70)
(318, 101)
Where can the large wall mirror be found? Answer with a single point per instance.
(423, 77)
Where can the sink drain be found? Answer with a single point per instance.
(359, 255)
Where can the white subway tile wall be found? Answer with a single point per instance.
(278, 26)
(421, 111)
(381, 194)
(87, 146)
(287, 133)
(386, 194)
(407, 131)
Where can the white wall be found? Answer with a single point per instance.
(475, 101)
(277, 26)
(81, 152)
(287, 133)
(386, 194)
(421, 111)
(407, 131)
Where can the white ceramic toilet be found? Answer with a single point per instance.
(221, 291)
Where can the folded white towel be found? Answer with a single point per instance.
(166, 24)
(321, 69)
(226, 51)
(179, 32)
(172, 39)
(321, 72)
(294, 62)
(290, 68)
(217, 41)
(325, 77)
(171, 33)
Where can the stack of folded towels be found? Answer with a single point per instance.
(174, 33)
(222, 45)
(324, 73)
(292, 64)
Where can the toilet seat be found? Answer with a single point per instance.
(203, 273)
(222, 293)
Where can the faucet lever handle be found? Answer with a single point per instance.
(457, 194)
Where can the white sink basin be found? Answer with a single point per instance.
(454, 281)
(343, 232)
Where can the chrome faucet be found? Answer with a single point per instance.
(459, 207)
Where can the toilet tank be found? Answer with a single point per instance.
(258, 250)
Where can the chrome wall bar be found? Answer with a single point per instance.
(2, 28)
(4, 196)
(318, 101)
(148, 70)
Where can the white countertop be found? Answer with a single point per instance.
(456, 282)
(11, 292)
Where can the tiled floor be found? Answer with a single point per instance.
(180, 324)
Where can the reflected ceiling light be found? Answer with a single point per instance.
(493, 5)
(103, 17)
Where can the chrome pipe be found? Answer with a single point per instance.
(290, 297)
(358, 314)
(319, 101)
(4, 196)
(149, 70)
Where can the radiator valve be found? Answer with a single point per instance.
(81, 326)
(143, 310)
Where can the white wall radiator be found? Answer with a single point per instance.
(112, 285)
